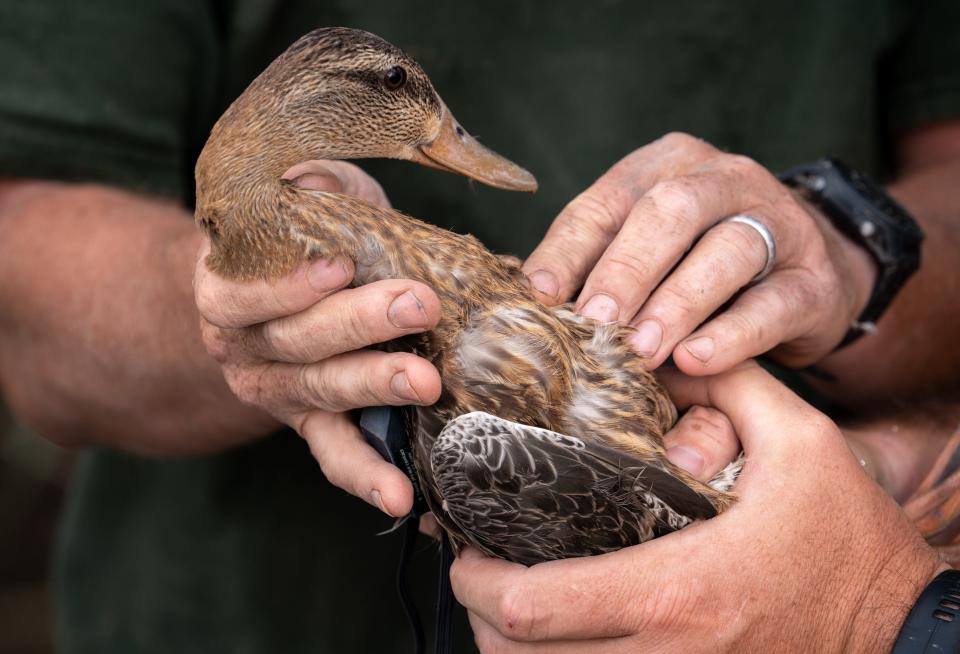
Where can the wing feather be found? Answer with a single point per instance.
(529, 494)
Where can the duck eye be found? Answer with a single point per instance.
(394, 78)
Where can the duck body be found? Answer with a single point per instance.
(547, 439)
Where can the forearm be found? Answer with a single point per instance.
(899, 446)
(914, 352)
(99, 338)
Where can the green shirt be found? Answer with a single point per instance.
(251, 550)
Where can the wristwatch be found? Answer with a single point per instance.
(933, 624)
(862, 210)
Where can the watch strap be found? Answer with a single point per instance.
(868, 216)
(933, 624)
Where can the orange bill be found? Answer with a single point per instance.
(455, 151)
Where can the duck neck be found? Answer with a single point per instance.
(239, 188)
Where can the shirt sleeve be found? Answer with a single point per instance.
(105, 91)
(921, 76)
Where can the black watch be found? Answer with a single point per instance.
(862, 210)
(933, 624)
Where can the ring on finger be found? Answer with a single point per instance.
(767, 237)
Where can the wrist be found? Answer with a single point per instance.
(889, 597)
(855, 265)
(931, 625)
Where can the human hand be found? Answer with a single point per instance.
(814, 556)
(621, 238)
(295, 349)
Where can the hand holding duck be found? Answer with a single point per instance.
(294, 348)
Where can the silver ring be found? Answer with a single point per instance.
(767, 237)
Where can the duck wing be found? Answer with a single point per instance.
(529, 495)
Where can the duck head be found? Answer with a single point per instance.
(340, 93)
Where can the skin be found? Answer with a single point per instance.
(677, 593)
(918, 433)
(98, 336)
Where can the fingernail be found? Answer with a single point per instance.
(318, 182)
(400, 385)
(601, 308)
(701, 348)
(646, 340)
(545, 282)
(687, 458)
(406, 312)
(377, 500)
(324, 275)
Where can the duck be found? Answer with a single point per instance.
(547, 439)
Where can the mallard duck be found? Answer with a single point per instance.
(547, 440)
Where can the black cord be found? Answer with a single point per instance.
(445, 599)
(413, 616)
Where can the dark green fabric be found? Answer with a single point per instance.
(251, 551)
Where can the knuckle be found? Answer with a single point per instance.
(324, 384)
(745, 328)
(279, 336)
(805, 295)
(591, 212)
(216, 341)
(739, 244)
(683, 142)
(677, 304)
(742, 165)
(676, 200)
(622, 264)
(202, 291)
(517, 615)
(713, 429)
(217, 305)
(704, 416)
(823, 425)
(245, 384)
(678, 139)
(283, 294)
(357, 317)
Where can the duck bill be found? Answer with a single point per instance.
(455, 151)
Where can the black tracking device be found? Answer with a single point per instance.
(385, 429)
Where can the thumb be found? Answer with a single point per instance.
(702, 442)
(759, 407)
(337, 177)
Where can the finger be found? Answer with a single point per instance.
(348, 381)
(346, 321)
(660, 229)
(337, 177)
(348, 462)
(777, 310)
(759, 407)
(702, 442)
(586, 226)
(429, 526)
(234, 304)
(725, 259)
(560, 600)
